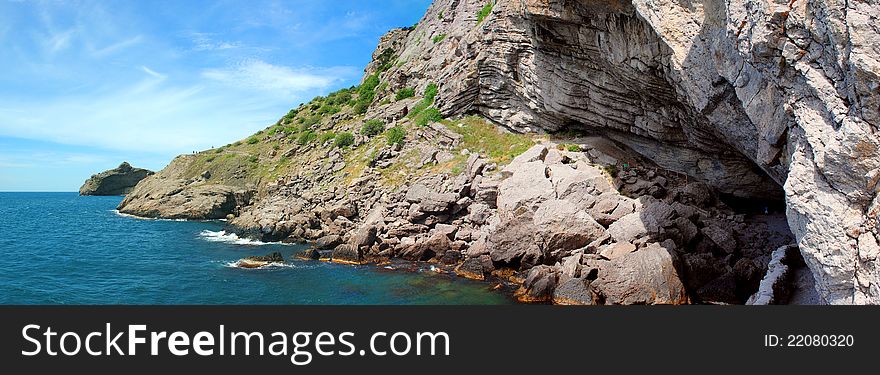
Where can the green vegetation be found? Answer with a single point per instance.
(395, 135)
(306, 137)
(482, 137)
(289, 116)
(344, 140)
(253, 159)
(611, 169)
(385, 60)
(406, 92)
(439, 38)
(310, 121)
(324, 137)
(483, 13)
(373, 128)
(366, 94)
(428, 116)
(252, 140)
(574, 148)
(328, 109)
(440, 15)
(428, 100)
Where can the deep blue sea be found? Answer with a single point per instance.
(60, 248)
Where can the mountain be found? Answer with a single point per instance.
(590, 152)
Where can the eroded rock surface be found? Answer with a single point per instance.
(117, 181)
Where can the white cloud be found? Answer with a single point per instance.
(146, 116)
(56, 42)
(205, 42)
(152, 72)
(259, 75)
(116, 47)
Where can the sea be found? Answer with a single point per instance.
(64, 249)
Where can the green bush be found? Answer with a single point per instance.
(344, 139)
(328, 109)
(254, 158)
(253, 140)
(428, 116)
(395, 135)
(373, 127)
(326, 137)
(431, 92)
(361, 106)
(483, 13)
(310, 121)
(439, 38)
(290, 115)
(406, 92)
(306, 137)
(574, 148)
(237, 143)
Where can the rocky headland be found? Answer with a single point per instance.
(584, 152)
(117, 181)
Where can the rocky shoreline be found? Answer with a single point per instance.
(628, 152)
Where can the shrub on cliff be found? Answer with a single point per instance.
(483, 13)
(252, 140)
(373, 127)
(439, 38)
(406, 92)
(344, 139)
(395, 135)
(326, 137)
(306, 137)
(428, 116)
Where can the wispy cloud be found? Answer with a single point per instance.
(152, 72)
(144, 116)
(206, 42)
(116, 47)
(259, 75)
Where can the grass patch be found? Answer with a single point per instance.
(480, 136)
(324, 137)
(428, 116)
(439, 38)
(484, 12)
(253, 140)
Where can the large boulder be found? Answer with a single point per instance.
(513, 243)
(527, 187)
(646, 277)
(563, 226)
(118, 181)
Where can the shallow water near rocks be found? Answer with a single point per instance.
(60, 248)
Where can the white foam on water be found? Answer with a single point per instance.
(230, 238)
(143, 218)
(237, 264)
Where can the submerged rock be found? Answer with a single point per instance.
(118, 181)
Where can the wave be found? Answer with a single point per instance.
(163, 219)
(273, 265)
(231, 238)
(130, 216)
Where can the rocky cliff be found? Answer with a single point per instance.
(664, 131)
(117, 181)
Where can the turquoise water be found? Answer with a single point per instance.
(60, 248)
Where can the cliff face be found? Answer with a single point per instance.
(742, 94)
(117, 181)
(749, 99)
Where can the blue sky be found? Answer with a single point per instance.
(85, 85)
